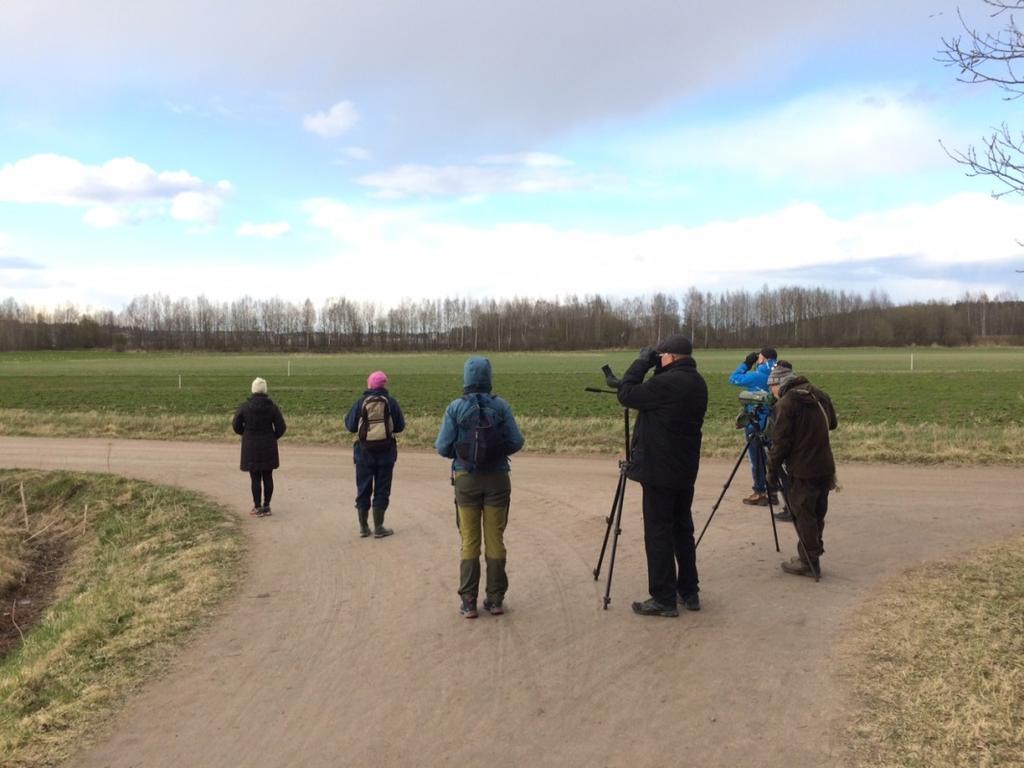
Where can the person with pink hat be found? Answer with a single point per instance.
(375, 418)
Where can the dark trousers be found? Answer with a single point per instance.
(373, 480)
(264, 478)
(668, 540)
(808, 501)
(757, 468)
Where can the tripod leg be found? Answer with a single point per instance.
(617, 518)
(620, 489)
(739, 460)
(784, 482)
(771, 509)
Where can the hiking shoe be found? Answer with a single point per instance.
(255, 511)
(493, 606)
(784, 516)
(364, 531)
(690, 602)
(380, 532)
(652, 607)
(263, 511)
(798, 567)
(756, 499)
(468, 608)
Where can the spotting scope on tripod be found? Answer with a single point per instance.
(614, 518)
(753, 402)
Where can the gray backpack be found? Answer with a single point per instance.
(376, 429)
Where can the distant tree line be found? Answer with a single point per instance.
(789, 316)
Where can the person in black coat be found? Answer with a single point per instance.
(665, 457)
(260, 423)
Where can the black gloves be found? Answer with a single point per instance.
(648, 355)
(750, 359)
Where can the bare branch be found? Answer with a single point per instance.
(992, 59)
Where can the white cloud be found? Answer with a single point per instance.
(109, 217)
(199, 207)
(824, 138)
(118, 192)
(524, 173)
(60, 180)
(528, 159)
(338, 119)
(747, 252)
(913, 253)
(267, 231)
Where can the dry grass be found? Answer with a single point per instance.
(142, 568)
(937, 666)
(891, 443)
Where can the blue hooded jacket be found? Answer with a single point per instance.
(753, 381)
(477, 382)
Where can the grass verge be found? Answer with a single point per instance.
(895, 443)
(134, 567)
(937, 666)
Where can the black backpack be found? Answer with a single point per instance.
(482, 445)
(375, 430)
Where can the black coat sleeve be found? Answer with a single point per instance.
(279, 425)
(634, 393)
(238, 423)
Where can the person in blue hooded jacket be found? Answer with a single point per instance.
(478, 433)
(752, 374)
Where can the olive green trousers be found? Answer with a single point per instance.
(482, 501)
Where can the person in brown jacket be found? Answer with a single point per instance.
(801, 457)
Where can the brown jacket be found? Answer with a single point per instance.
(804, 415)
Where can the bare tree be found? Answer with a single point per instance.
(992, 58)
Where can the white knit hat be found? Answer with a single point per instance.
(259, 386)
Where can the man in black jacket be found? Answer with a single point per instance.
(665, 456)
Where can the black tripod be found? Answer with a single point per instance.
(757, 438)
(615, 515)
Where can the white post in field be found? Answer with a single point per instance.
(911, 361)
(179, 381)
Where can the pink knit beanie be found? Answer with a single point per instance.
(377, 380)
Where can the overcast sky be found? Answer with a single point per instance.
(474, 148)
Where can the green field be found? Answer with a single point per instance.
(958, 405)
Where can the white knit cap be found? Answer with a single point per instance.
(259, 386)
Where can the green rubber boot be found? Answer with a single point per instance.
(379, 531)
(364, 522)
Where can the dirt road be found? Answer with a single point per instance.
(341, 651)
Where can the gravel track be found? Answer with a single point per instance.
(343, 651)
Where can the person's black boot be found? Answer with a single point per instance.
(785, 515)
(652, 607)
(364, 524)
(690, 601)
(379, 531)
